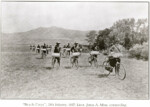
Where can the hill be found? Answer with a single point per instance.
(45, 35)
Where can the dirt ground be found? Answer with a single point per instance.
(24, 75)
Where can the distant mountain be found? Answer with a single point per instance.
(45, 34)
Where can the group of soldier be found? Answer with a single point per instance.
(39, 48)
(66, 50)
(76, 47)
(74, 51)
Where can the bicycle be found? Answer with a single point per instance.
(55, 56)
(37, 50)
(93, 58)
(74, 59)
(33, 49)
(43, 53)
(68, 52)
(64, 52)
(120, 71)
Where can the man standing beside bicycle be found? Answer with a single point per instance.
(114, 61)
(38, 49)
(56, 55)
(43, 49)
(68, 47)
(93, 54)
(75, 54)
(75, 48)
(114, 55)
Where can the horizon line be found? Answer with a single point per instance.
(50, 27)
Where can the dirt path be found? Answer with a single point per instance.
(25, 75)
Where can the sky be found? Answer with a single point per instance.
(24, 16)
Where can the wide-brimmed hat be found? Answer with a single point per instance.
(57, 43)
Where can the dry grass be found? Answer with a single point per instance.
(25, 75)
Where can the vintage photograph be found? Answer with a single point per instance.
(74, 50)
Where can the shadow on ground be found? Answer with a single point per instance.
(39, 58)
(84, 66)
(48, 68)
(68, 67)
(102, 75)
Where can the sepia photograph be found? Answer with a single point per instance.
(79, 50)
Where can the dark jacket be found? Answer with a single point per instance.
(74, 49)
(57, 49)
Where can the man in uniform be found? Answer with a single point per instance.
(68, 51)
(57, 49)
(94, 47)
(38, 48)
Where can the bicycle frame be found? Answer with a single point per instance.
(74, 61)
(54, 61)
(43, 54)
(93, 59)
(118, 70)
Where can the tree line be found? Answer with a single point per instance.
(128, 32)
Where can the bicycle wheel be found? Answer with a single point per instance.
(72, 61)
(42, 55)
(95, 62)
(104, 66)
(76, 63)
(67, 54)
(64, 54)
(120, 71)
(53, 62)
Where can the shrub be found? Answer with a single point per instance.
(139, 51)
(145, 53)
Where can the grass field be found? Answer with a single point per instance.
(24, 75)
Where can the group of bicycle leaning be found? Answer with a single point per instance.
(111, 62)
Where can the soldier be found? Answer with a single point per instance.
(57, 49)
